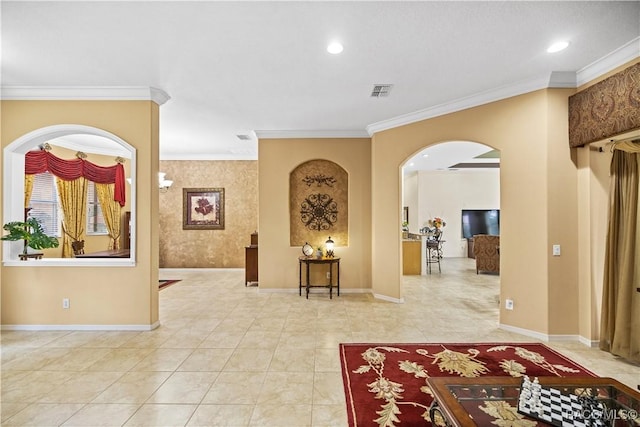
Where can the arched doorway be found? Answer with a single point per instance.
(450, 181)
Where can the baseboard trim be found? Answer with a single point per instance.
(550, 338)
(185, 270)
(80, 327)
(387, 298)
(526, 332)
(588, 342)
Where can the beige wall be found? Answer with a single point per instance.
(519, 127)
(562, 187)
(446, 193)
(278, 266)
(209, 248)
(98, 295)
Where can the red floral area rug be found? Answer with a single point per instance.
(385, 384)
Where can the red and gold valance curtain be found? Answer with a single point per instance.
(41, 161)
(620, 321)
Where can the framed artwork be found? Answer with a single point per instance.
(203, 208)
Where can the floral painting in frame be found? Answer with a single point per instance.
(203, 208)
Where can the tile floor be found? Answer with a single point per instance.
(227, 355)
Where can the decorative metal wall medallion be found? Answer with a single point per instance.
(319, 212)
(319, 180)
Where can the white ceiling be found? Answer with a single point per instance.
(243, 67)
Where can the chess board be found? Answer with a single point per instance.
(562, 410)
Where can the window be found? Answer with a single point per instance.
(44, 203)
(44, 206)
(95, 220)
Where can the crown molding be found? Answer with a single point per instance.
(84, 93)
(617, 58)
(478, 99)
(557, 79)
(299, 134)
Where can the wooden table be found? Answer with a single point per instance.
(111, 253)
(456, 400)
(307, 261)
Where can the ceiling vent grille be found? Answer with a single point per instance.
(243, 137)
(381, 90)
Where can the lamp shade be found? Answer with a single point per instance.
(329, 245)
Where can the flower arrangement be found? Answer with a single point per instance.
(437, 222)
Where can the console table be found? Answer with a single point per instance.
(307, 261)
(457, 401)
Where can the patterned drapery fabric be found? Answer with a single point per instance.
(620, 324)
(41, 161)
(73, 200)
(111, 211)
(28, 189)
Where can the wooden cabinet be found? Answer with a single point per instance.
(411, 257)
(251, 261)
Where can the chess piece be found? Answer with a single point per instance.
(525, 394)
(535, 396)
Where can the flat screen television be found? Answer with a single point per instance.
(480, 221)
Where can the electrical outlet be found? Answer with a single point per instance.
(556, 250)
(328, 275)
(508, 304)
(65, 303)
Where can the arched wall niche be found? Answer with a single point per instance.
(13, 182)
(318, 204)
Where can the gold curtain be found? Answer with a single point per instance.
(73, 200)
(28, 189)
(620, 320)
(111, 211)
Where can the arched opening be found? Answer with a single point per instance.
(74, 137)
(455, 186)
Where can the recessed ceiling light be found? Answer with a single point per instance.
(558, 46)
(335, 48)
(425, 155)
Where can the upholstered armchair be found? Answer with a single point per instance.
(486, 249)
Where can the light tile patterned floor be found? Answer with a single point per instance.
(227, 355)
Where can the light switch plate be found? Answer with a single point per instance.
(556, 250)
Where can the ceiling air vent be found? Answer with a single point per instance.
(243, 137)
(380, 91)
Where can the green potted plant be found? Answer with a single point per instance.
(31, 232)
